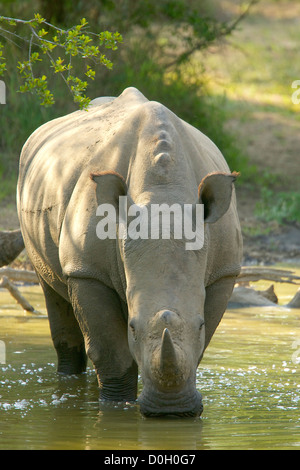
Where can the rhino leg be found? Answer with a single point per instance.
(66, 335)
(104, 326)
(216, 300)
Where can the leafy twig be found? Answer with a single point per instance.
(75, 41)
(217, 31)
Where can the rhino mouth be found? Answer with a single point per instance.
(183, 414)
(157, 404)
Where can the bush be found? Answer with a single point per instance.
(184, 93)
(281, 206)
(142, 61)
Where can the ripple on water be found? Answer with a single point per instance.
(249, 380)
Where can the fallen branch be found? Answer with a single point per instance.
(253, 274)
(17, 295)
(19, 275)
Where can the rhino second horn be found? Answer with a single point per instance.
(168, 359)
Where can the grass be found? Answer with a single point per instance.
(260, 62)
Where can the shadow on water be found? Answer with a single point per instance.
(249, 380)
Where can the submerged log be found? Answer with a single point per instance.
(16, 294)
(11, 245)
(20, 275)
(295, 302)
(248, 297)
(244, 295)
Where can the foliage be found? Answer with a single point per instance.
(174, 29)
(156, 34)
(76, 41)
(279, 206)
(185, 93)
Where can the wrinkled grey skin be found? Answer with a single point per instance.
(129, 304)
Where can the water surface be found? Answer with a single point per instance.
(249, 380)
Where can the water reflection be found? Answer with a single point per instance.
(248, 379)
(64, 413)
(132, 431)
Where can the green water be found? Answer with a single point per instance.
(249, 380)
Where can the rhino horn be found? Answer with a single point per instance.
(168, 359)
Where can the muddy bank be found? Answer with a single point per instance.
(279, 246)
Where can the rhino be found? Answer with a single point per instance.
(133, 306)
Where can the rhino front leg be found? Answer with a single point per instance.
(99, 313)
(66, 334)
(216, 300)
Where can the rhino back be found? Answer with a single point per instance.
(117, 135)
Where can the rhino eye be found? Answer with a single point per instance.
(201, 323)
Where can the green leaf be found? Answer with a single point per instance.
(90, 73)
(39, 18)
(76, 41)
(42, 32)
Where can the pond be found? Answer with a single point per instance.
(249, 380)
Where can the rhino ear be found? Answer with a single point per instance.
(215, 192)
(110, 185)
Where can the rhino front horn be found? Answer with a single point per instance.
(168, 359)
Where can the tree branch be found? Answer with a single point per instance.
(253, 274)
(203, 43)
(75, 41)
(17, 295)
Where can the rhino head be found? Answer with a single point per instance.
(165, 294)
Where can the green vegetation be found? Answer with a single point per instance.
(73, 42)
(159, 38)
(279, 206)
(238, 93)
(255, 71)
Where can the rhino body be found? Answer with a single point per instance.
(129, 305)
